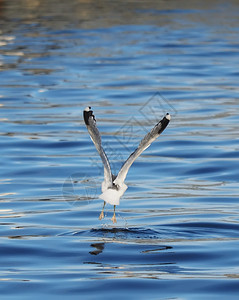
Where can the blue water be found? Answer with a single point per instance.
(177, 231)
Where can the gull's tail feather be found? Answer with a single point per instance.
(113, 195)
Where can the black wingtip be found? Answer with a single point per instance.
(87, 114)
(167, 116)
(164, 122)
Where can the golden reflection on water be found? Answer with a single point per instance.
(7, 194)
(90, 14)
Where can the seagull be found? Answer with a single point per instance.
(113, 187)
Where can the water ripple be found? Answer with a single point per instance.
(178, 229)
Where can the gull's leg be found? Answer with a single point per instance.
(102, 212)
(113, 219)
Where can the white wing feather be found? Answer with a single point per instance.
(144, 144)
(96, 139)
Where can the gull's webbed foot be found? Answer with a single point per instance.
(101, 215)
(113, 219)
(102, 212)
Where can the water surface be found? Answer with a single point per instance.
(177, 227)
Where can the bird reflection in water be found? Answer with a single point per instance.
(99, 247)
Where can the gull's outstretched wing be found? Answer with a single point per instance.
(144, 144)
(90, 123)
